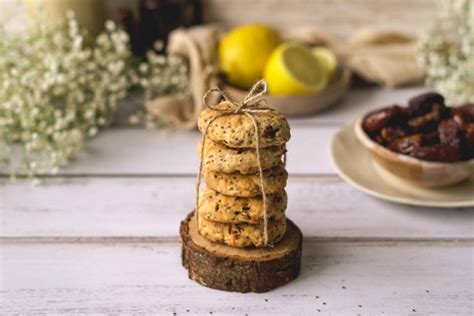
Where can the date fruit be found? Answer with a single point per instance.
(449, 132)
(423, 103)
(377, 120)
(425, 129)
(438, 152)
(406, 145)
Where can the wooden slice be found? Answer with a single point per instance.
(240, 269)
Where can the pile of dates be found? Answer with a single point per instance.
(426, 129)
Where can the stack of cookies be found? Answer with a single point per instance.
(242, 208)
(231, 208)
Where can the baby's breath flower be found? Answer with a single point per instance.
(447, 52)
(134, 119)
(158, 45)
(143, 68)
(59, 86)
(110, 25)
(55, 92)
(163, 75)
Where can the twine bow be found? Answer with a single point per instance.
(252, 103)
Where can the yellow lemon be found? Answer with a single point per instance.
(244, 52)
(293, 69)
(327, 59)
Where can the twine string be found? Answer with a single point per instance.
(253, 103)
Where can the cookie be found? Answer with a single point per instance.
(218, 157)
(246, 185)
(242, 235)
(222, 208)
(238, 131)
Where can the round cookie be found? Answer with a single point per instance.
(238, 131)
(242, 235)
(246, 185)
(222, 208)
(218, 157)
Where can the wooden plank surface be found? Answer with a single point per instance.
(134, 151)
(153, 207)
(338, 278)
(102, 236)
(129, 151)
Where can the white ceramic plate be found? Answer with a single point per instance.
(354, 164)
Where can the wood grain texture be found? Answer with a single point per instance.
(337, 278)
(102, 237)
(138, 207)
(240, 270)
(337, 17)
(130, 151)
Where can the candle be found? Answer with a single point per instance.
(89, 13)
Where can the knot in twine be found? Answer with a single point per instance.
(253, 103)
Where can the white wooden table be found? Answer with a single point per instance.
(102, 236)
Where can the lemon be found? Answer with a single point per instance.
(327, 59)
(293, 69)
(244, 52)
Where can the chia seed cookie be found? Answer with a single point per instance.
(242, 235)
(222, 208)
(246, 185)
(218, 157)
(238, 131)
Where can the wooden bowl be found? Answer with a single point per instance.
(419, 172)
(299, 105)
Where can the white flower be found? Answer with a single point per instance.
(446, 52)
(158, 45)
(109, 25)
(58, 87)
(143, 68)
(92, 131)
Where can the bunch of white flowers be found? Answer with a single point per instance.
(59, 86)
(160, 75)
(56, 88)
(447, 52)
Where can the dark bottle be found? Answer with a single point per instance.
(156, 19)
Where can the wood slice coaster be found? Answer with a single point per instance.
(240, 269)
